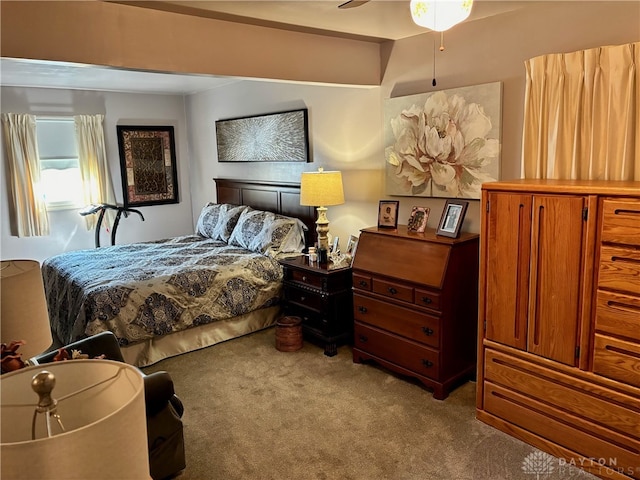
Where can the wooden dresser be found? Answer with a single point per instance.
(559, 322)
(415, 304)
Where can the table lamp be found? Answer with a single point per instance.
(319, 189)
(99, 404)
(23, 307)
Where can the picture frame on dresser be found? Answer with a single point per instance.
(452, 218)
(418, 219)
(388, 214)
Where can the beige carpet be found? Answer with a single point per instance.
(253, 412)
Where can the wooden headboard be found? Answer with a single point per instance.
(277, 197)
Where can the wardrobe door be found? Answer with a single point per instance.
(555, 278)
(508, 230)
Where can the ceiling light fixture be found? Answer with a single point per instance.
(440, 15)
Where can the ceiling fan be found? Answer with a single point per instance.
(352, 3)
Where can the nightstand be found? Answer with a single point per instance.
(321, 296)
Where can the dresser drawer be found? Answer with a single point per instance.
(403, 321)
(541, 400)
(404, 353)
(620, 269)
(308, 278)
(621, 221)
(618, 314)
(362, 282)
(427, 298)
(310, 318)
(393, 290)
(617, 359)
(304, 297)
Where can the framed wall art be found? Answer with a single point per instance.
(418, 219)
(275, 137)
(388, 214)
(148, 165)
(452, 218)
(445, 143)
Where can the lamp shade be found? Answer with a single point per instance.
(440, 15)
(321, 188)
(101, 405)
(23, 306)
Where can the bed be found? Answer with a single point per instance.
(172, 296)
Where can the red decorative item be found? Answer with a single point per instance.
(11, 359)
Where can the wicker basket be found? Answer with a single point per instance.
(289, 334)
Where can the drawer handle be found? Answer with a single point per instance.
(362, 309)
(364, 283)
(427, 331)
(363, 338)
(623, 306)
(303, 298)
(426, 300)
(392, 290)
(427, 363)
(304, 278)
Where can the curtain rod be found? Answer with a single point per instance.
(51, 118)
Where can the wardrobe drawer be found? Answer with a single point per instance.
(618, 314)
(617, 359)
(404, 353)
(621, 221)
(426, 298)
(595, 409)
(620, 269)
(362, 282)
(403, 321)
(393, 290)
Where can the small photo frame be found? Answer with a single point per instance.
(352, 244)
(452, 217)
(388, 214)
(418, 219)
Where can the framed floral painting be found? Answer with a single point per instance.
(445, 143)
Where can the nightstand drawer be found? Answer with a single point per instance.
(393, 290)
(410, 355)
(316, 280)
(362, 282)
(403, 321)
(621, 221)
(617, 359)
(620, 269)
(618, 314)
(426, 298)
(304, 297)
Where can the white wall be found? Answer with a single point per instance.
(345, 122)
(67, 227)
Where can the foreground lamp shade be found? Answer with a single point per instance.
(23, 307)
(440, 15)
(101, 405)
(319, 189)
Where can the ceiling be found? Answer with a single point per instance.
(376, 21)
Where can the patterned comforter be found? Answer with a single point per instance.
(143, 290)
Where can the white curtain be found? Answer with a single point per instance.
(94, 169)
(582, 115)
(27, 204)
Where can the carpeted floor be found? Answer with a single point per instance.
(252, 412)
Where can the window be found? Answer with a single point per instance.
(60, 171)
